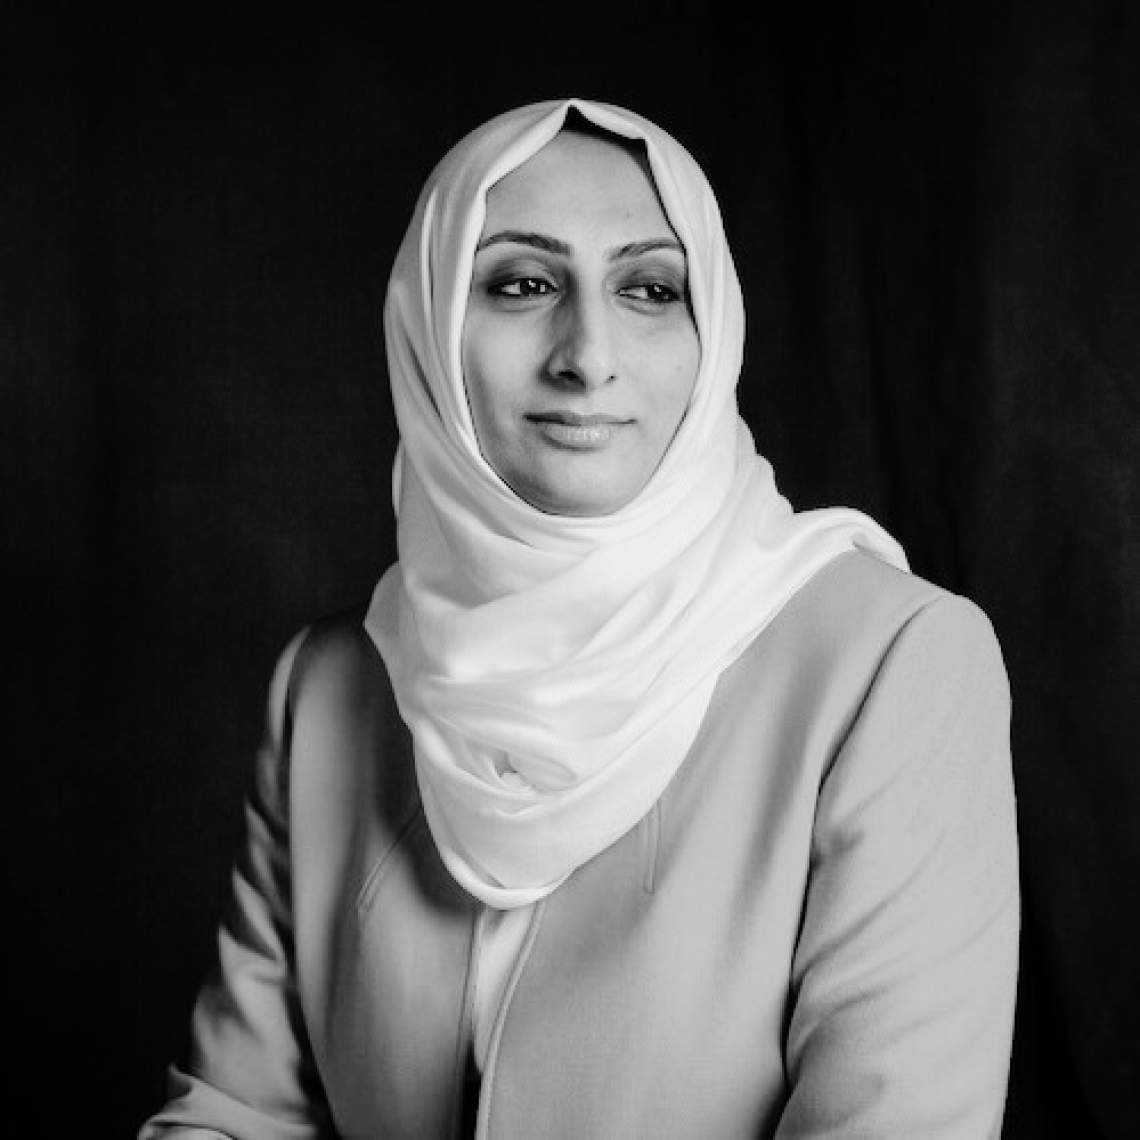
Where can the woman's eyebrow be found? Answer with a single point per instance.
(637, 248)
(525, 237)
(555, 245)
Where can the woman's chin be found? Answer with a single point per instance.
(584, 495)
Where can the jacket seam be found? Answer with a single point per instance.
(869, 688)
(384, 863)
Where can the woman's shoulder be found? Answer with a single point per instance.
(859, 590)
(337, 719)
(332, 661)
(858, 609)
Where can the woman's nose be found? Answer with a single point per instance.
(584, 346)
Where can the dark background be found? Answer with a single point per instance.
(936, 213)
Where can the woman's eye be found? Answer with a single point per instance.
(654, 292)
(522, 287)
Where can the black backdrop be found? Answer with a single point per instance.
(936, 212)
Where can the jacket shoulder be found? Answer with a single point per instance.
(341, 721)
(332, 664)
(829, 645)
(860, 604)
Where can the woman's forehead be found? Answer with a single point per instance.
(581, 179)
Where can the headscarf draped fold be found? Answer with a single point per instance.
(554, 670)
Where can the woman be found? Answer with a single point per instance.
(635, 804)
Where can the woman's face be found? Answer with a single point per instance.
(579, 347)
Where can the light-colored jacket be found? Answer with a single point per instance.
(812, 934)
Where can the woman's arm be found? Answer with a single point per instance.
(905, 971)
(251, 1075)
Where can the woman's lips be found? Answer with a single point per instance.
(576, 431)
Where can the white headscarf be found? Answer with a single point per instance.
(554, 670)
